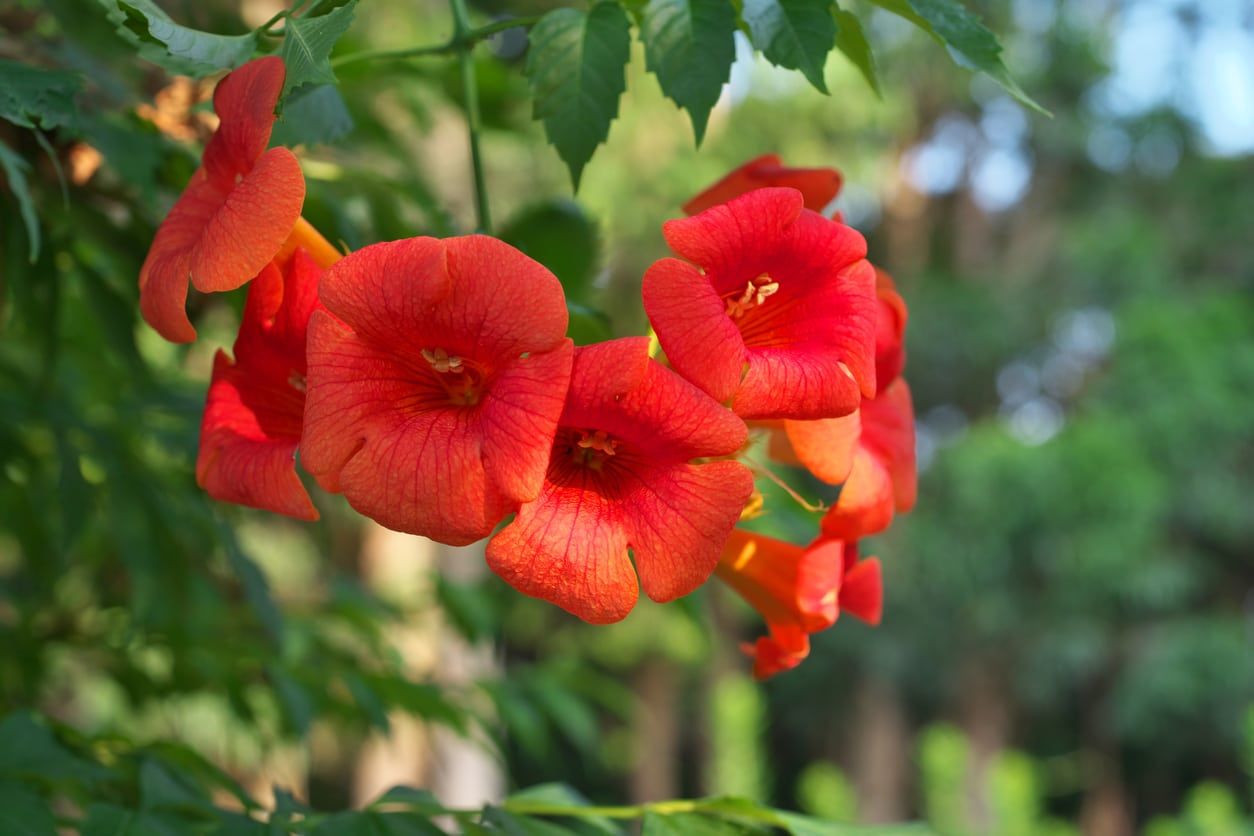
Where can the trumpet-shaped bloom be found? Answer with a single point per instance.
(774, 310)
(827, 447)
(436, 377)
(252, 421)
(622, 477)
(882, 478)
(798, 591)
(236, 211)
(819, 186)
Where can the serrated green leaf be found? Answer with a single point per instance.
(851, 41)
(307, 45)
(793, 34)
(689, 46)
(15, 169)
(559, 235)
(37, 98)
(577, 72)
(177, 48)
(312, 114)
(970, 43)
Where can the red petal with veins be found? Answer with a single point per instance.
(818, 186)
(236, 211)
(436, 382)
(778, 313)
(621, 477)
(252, 421)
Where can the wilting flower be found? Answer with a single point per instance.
(236, 211)
(798, 591)
(622, 476)
(774, 310)
(819, 186)
(252, 421)
(435, 383)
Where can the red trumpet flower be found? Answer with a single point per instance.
(236, 211)
(819, 186)
(798, 591)
(436, 377)
(774, 312)
(622, 477)
(252, 421)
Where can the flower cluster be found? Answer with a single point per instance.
(432, 384)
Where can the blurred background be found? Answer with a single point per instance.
(1068, 638)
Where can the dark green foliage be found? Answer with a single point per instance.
(576, 67)
(794, 34)
(307, 44)
(688, 45)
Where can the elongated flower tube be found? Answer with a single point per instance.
(236, 211)
(622, 483)
(256, 402)
(436, 377)
(798, 591)
(818, 186)
(774, 310)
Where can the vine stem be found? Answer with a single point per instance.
(469, 37)
(470, 99)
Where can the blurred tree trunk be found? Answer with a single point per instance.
(984, 709)
(880, 753)
(655, 769)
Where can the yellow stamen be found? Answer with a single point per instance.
(755, 293)
(753, 508)
(442, 361)
(746, 554)
(597, 441)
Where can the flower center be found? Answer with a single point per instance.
(460, 379)
(592, 448)
(442, 361)
(755, 293)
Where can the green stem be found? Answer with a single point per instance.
(470, 97)
(468, 38)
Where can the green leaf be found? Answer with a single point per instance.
(15, 169)
(851, 41)
(312, 114)
(23, 813)
(688, 824)
(370, 823)
(31, 750)
(32, 97)
(970, 43)
(560, 236)
(794, 34)
(689, 45)
(588, 325)
(577, 72)
(417, 800)
(516, 825)
(307, 45)
(177, 48)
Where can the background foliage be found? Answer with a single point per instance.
(1067, 641)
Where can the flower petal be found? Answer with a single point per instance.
(701, 341)
(678, 518)
(818, 186)
(244, 101)
(248, 445)
(825, 447)
(862, 591)
(249, 227)
(783, 650)
(865, 504)
(523, 405)
(569, 548)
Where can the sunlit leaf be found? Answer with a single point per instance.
(688, 44)
(577, 71)
(852, 42)
(794, 34)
